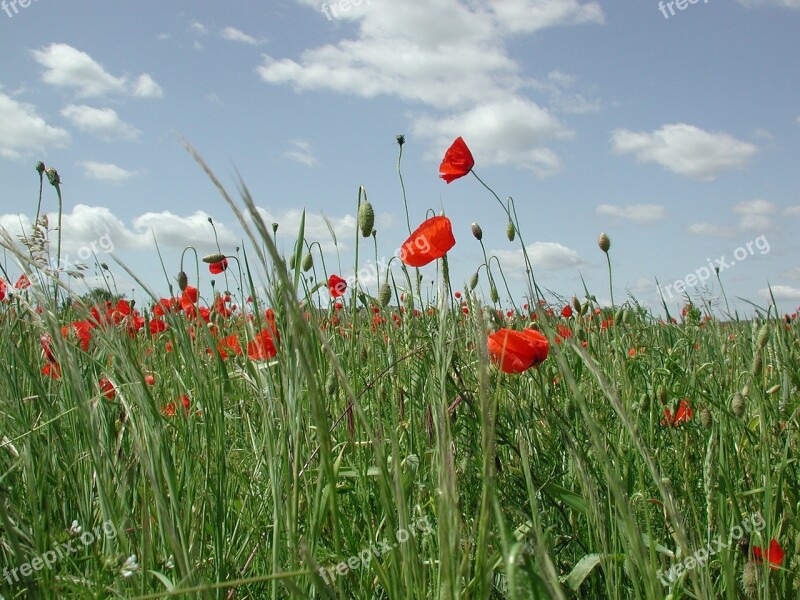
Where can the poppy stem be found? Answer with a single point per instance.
(402, 186)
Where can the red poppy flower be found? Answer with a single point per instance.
(170, 409)
(431, 240)
(218, 267)
(262, 347)
(53, 370)
(229, 344)
(684, 414)
(336, 286)
(23, 282)
(3, 288)
(150, 379)
(157, 326)
(457, 161)
(518, 351)
(566, 312)
(107, 388)
(774, 554)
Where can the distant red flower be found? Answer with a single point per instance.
(157, 326)
(164, 306)
(47, 346)
(53, 370)
(218, 267)
(457, 161)
(566, 312)
(169, 410)
(23, 282)
(684, 414)
(336, 286)
(107, 388)
(262, 347)
(150, 379)
(3, 287)
(774, 554)
(518, 351)
(431, 240)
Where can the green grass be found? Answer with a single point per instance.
(374, 422)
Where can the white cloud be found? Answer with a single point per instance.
(102, 122)
(755, 214)
(777, 3)
(146, 87)
(448, 55)
(198, 28)
(685, 149)
(108, 172)
(235, 35)
(781, 292)
(302, 153)
(513, 131)
(641, 213)
(792, 211)
(793, 273)
(708, 229)
(68, 67)
(547, 256)
(22, 130)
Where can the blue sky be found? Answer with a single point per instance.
(677, 136)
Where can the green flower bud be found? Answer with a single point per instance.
(511, 231)
(366, 218)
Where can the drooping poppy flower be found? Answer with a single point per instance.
(457, 161)
(684, 414)
(774, 555)
(336, 286)
(218, 267)
(107, 388)
(518, 351)
(431, 240)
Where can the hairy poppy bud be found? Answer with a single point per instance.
(183, 281)
(308, 261)
(511, 231)
(274, 228)
(40, 168)
(473, 281)
(576, 304)
(477, 232)
(493, 292)
(385, 294)
(401, 139)
(604, 242)
(366, 218)
(52, 177)
(214, 258)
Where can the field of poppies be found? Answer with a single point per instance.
(296, 436)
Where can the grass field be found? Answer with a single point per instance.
(273, 445)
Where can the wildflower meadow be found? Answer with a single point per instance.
(274, 429)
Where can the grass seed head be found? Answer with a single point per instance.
(763, 336)
(737, 405)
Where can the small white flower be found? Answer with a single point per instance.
(129, 567)
(75, 529)
(170, 562)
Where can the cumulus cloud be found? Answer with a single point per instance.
(449, 56)
(685, 149)
(22, 130)
(68, 67)
(708, 229)
(781, 292)
(795, 4)
(102, 122)
(547, 256)
(640, 213)
(755, 214)
(107, 172)
(235, 35)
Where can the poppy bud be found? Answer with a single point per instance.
(40, 168)
(401, 139)
(493, 292)
(52, 177)
(308, 261)
(477, 232)
(511, 231)
(366, 218)
(576, 304)
(183, 281)
(604, 242)
(705, 418)
(737, 404)
(385, 294)
(214, 258)
(473, 281)
(274, 228)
